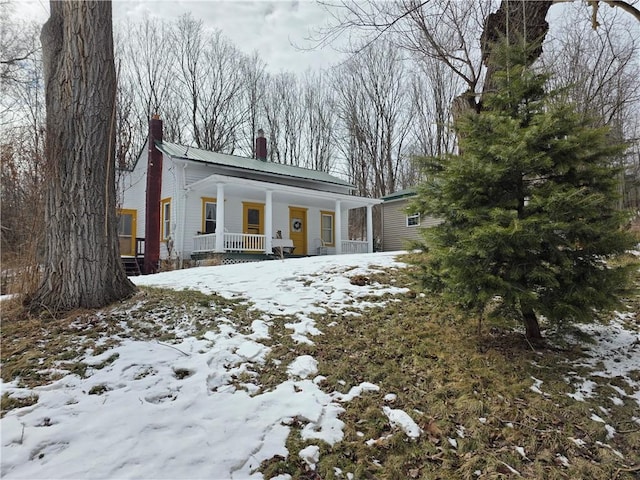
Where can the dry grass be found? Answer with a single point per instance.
(456, 385)
(36, 350)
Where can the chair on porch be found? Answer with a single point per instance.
(321, 248)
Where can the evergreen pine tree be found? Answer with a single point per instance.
(528, 207)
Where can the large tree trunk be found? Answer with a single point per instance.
(517, 21)
(82, 265)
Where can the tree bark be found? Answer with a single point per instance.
(82, 266)
(531, 324)
(516, 21)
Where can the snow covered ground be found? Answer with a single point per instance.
(172, 411)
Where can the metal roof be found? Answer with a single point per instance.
(234, 161)
(409, 192)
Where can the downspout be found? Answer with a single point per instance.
(185, 192)
(338, 227)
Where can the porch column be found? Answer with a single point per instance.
(338, 226)
(220, 218)
(369, 229)
(268, 219)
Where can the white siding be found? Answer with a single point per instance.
(131, 191)
(186, 206)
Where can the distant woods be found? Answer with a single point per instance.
(353, 120)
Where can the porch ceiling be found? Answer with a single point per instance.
(253, 190)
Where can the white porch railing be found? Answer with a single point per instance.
(354, 246)
(243, 242)
(204, 243)
(233, 242)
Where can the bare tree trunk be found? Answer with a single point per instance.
(516, 21)
(82, 262)
(531, 324)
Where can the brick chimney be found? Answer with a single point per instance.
(154, 191)
(261, 146)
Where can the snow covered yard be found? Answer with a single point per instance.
(217, 398)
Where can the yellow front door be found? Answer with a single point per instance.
(127, 232)
(298, 229)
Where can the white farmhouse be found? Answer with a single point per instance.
(180, 202)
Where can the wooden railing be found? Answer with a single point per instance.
(204, 243)
(243, 242)
(233, 242)
(354, 246)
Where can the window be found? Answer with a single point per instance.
(165, 212)
(327, 233)
(413, 220)
(208, 215)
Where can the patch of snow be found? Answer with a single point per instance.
(390, 397)
(310, 455)
(355, 391)
(401, 419)
(536, 387)
(578, 441)
(604, 445)
(378, 441)
(611, 432)
(303, 366)
(584, 390)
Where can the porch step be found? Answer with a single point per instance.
(131, 266)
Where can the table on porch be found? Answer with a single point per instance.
(282, 246)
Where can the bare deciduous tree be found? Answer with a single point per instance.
(373, 103)
(319, 123)
(18, 42)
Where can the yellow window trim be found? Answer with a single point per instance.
(333, 226)
(206, 200)
(165, 201)
(134, 219)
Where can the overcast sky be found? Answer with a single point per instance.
(271, 28)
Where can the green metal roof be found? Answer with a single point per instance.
(409, 192)
(234, 161)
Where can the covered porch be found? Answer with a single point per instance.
(254, 217)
